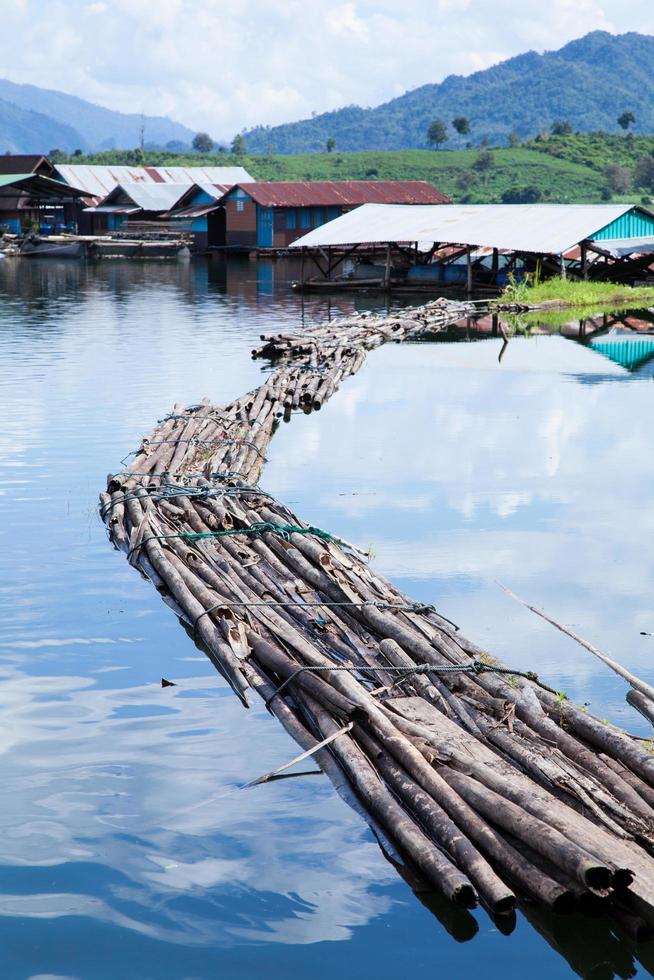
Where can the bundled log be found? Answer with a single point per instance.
(487, 783)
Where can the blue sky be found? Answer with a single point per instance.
(223, 66)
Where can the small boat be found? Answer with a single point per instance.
(52, 248)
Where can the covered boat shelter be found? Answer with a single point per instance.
(584, 240)
(33, 201)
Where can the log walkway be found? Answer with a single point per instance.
(492, 786)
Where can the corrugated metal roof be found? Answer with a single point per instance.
(343, 193)
(148, 197)
(8, 179)
(539, 228)
(197, 211)
(199, 175)
(113, 209)
(619, 247)
(11, 163)
(98, 181)
(38, 185)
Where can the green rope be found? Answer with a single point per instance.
(168, 491)
(261, 527)
(230, 475)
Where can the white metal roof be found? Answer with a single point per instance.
(149, 197)
(540, 228)
(204, 175)
(620, 247)
(98, 181)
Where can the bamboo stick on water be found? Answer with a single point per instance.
(472, 778)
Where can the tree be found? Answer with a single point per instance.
(513, 140)
(462, 125)
(437, 133)
(202, 143)
(330, 145)
(55, 156)
(626, 120)
(484, 162)
(561, 127)
(618, 178)
(644, 172)
(522, 195)
(77, 153)
(239, 148)
(466, 180)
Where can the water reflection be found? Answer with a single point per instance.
(125, 839)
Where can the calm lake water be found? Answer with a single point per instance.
(126, 848)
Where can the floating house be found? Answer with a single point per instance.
(35, 202)
(200, 214)
(467, 243)
(272, 214)
(99, 181)
(129, 202)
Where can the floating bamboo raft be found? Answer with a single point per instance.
(490, 785)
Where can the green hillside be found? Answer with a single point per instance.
(475, 176)
(589, 82)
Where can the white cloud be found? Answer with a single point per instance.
(222, 67)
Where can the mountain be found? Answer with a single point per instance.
(34, 120)
(589, 82)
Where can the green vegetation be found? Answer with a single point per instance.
(575, 293)
(590, 84)
(468, 176)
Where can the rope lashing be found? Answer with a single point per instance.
(201, 442)
(476, 667)
(215, 417)
(230, 475)
(415, 607)
(168, 491)
(260, 527)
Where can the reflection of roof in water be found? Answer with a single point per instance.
(628, 350)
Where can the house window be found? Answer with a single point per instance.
(240, 204)
(291, 219)
(305, 217)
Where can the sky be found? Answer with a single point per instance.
(226, 66)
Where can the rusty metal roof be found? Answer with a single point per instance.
(343, 193)
(23, 163)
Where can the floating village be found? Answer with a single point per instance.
(396, 235)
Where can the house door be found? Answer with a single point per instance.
(216, 230)
(264, 227)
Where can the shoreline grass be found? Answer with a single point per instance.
(558, 293)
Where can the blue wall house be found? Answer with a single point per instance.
(128, 203)
(200, 214)
(272, 214)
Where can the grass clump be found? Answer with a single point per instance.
(558, 292)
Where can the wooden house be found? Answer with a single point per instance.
(271, 214)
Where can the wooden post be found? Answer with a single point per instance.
(329, 262)
(562, 261)
(302, 256)
(387, 270)
(495, 266)
(469, 270)
(584, 261)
